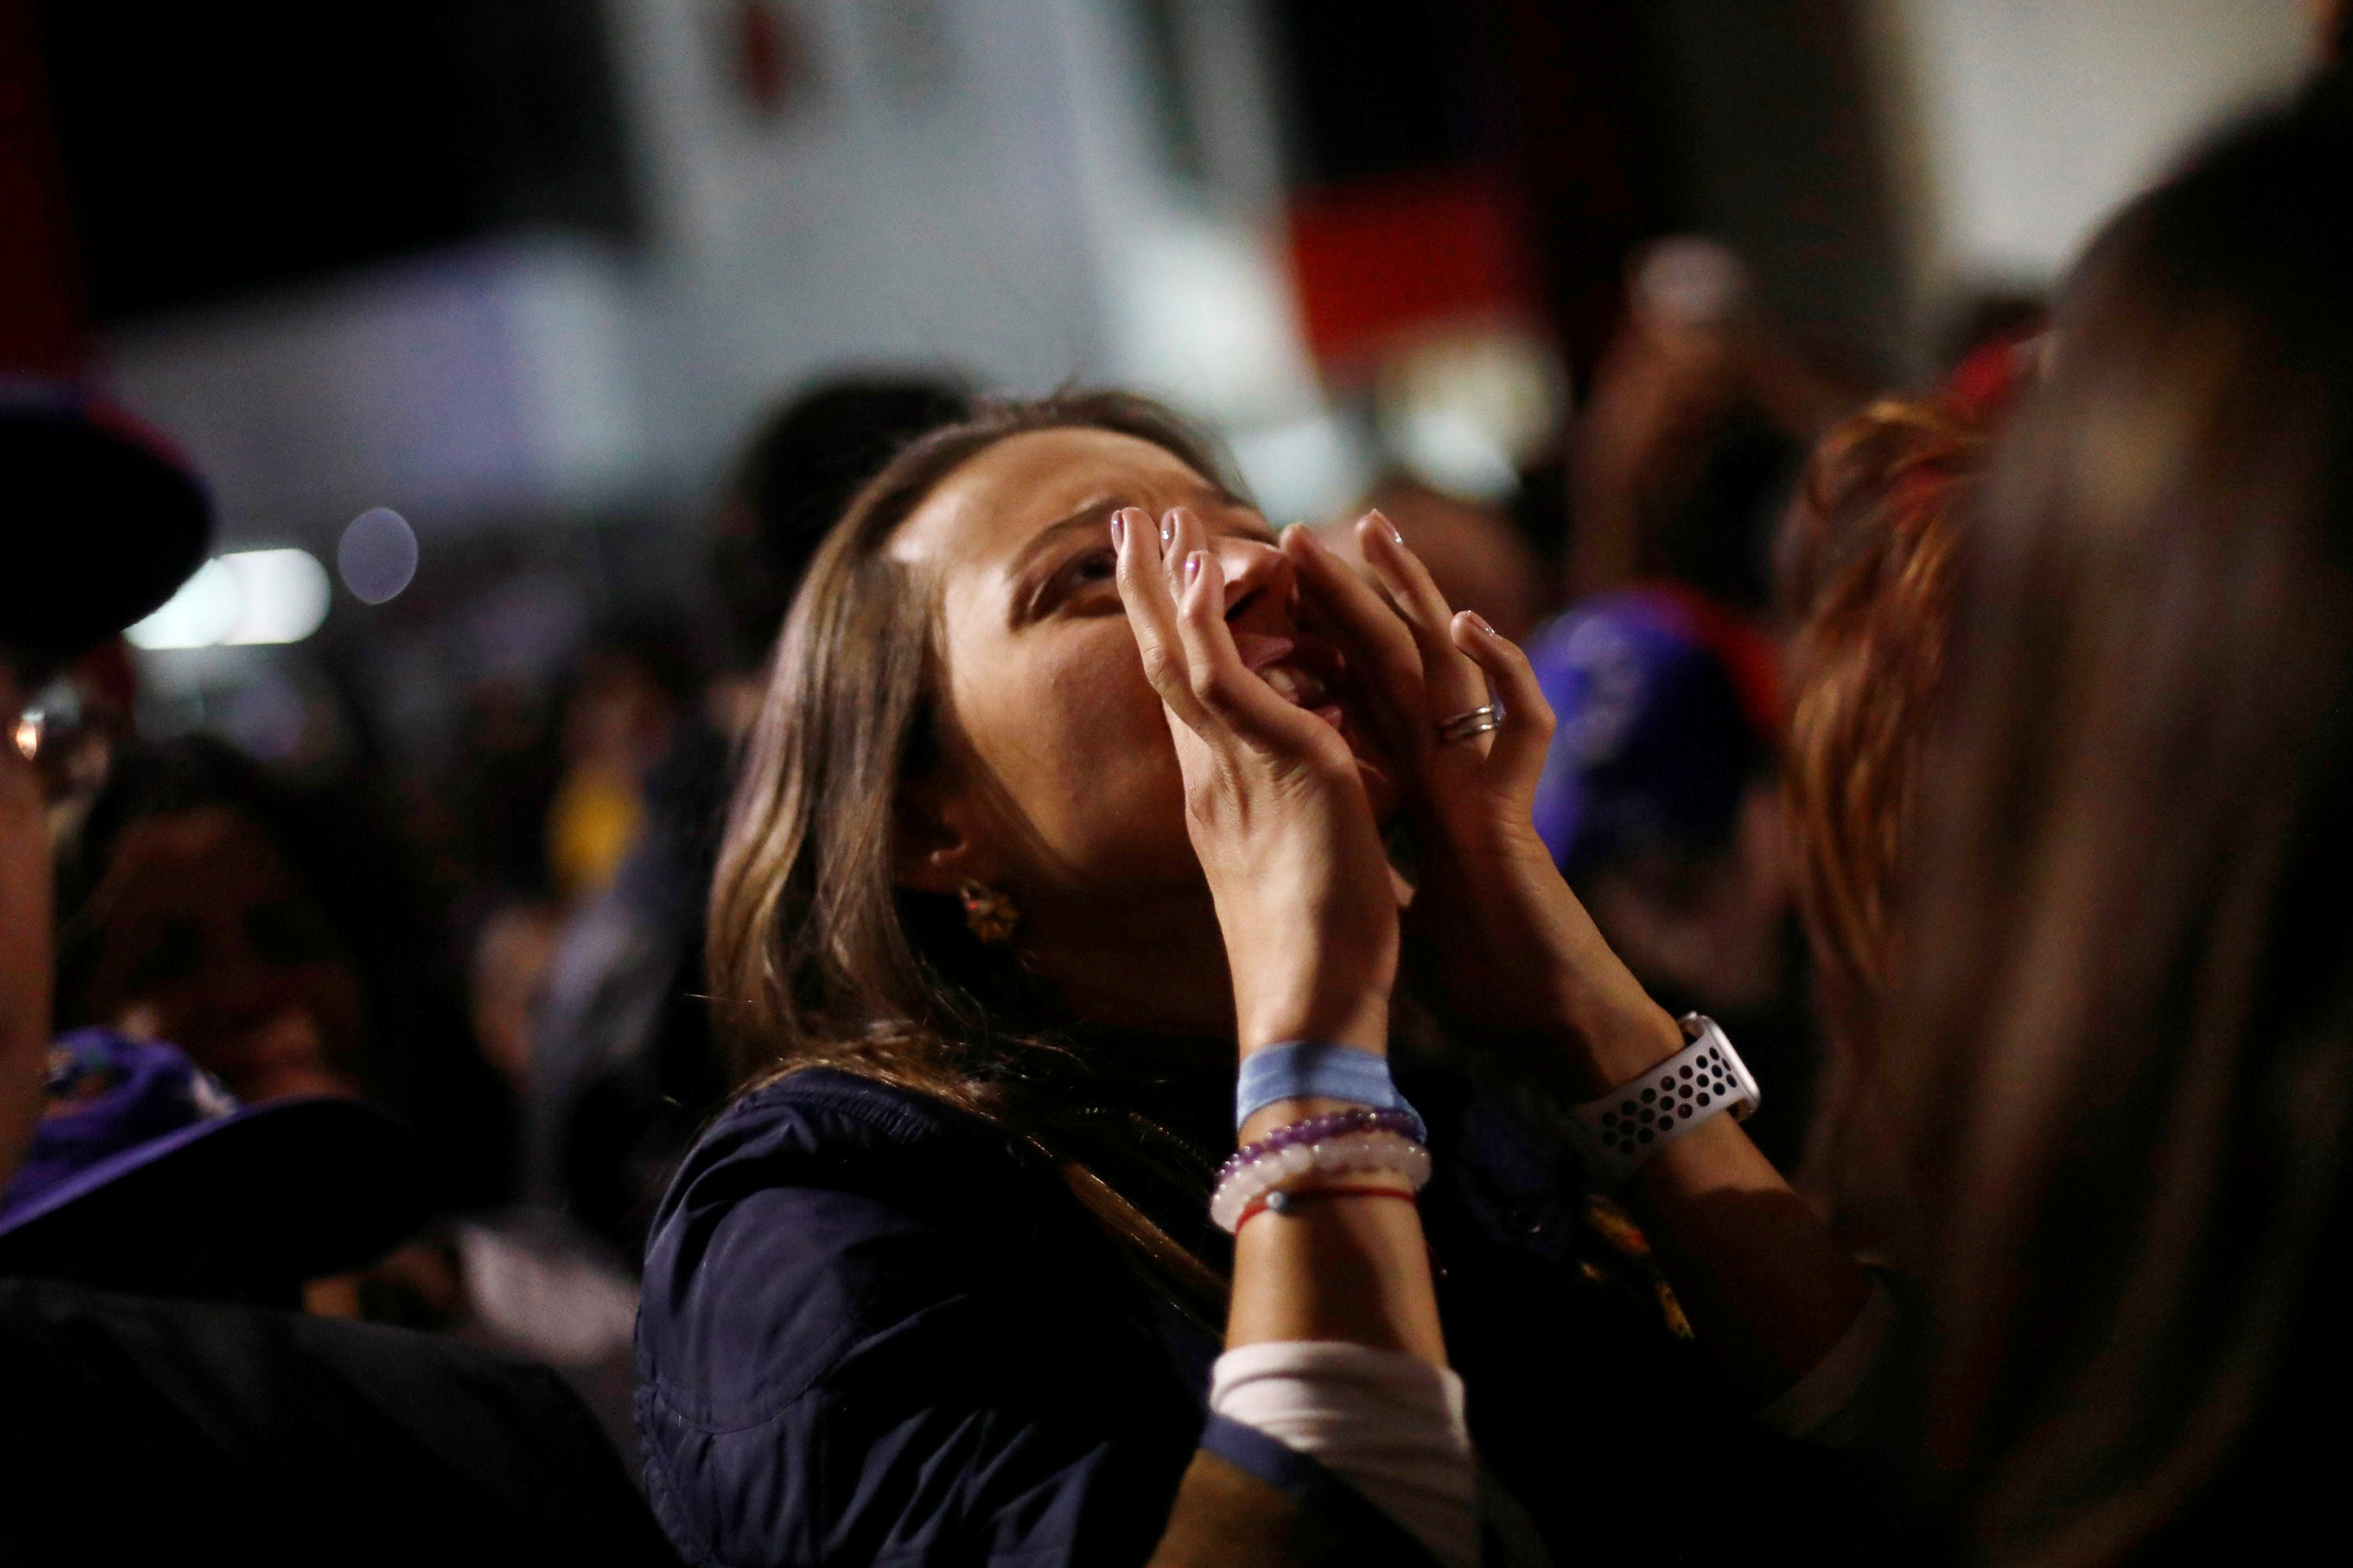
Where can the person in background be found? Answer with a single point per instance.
(268, 934)
(1659, 801)
(27, 984)
(1869, 563)
(146, 1175)
(2118, 1041)
(794, 473)
(624, 716)
(506, 968)
(140, 1427)
(606, 1045)
(1699, 418)
(187, 920)
(106, 521)
(614, 1059)
(485, 829)
(623, 1069)
(148, 1247)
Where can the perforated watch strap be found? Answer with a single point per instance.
(1636, 1119)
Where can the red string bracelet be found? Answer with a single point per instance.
(1281, 1202)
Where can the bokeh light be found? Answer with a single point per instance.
(251, 596)
(377, 556)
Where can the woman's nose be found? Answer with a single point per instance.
(1259, 579)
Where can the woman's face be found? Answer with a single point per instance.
(209, 941)
(1062, 777)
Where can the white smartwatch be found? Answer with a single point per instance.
(1636, 1119)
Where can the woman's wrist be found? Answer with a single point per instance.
(1574, 990)
(1287, 985)
(1620, 1046)
(1328, 1013)
(1587, 1038)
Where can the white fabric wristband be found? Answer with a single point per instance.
(1388, 1424)
(1636, 1119)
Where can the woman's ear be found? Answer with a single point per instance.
(933, 850)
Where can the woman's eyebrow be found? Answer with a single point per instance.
(1095, 514)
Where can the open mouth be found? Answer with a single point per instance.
(1308, 672)
(1302, 687)
(1303, 672)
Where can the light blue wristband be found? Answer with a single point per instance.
(1306, 1069)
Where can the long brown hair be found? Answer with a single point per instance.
(817, 957)
(2122, 1055)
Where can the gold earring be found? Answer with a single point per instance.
(989, 913)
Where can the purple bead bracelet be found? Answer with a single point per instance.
(1315, 1129)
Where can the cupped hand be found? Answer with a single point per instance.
(1496, 935)
(1274, 801)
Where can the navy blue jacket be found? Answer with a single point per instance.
(875, 1330)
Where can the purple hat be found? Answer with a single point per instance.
(1665, 707)
(145, 1173)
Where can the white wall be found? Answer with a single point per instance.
(984, 191)
(931, 216)
(2020, 124)
(493, 379)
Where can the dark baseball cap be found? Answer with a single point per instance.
(104, 518)
(140, 1155)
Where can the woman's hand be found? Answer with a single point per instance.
(1513, 951)
(1508, 947)
(1274, 804)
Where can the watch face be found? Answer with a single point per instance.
(1697, 1027)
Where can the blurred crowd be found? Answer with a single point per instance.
(505, 952)
(412, 1055)
(502, 962)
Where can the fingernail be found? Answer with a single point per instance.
(1193, 567)
(1481, 622)
(1167, 529)
(1389, 528)
(1118, 532)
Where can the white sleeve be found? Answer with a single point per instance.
(1391, 1425)
(1812, 1407)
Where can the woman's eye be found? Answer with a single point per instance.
(1082, 572)
(1076, 586)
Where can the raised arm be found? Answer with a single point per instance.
(1279, 816)
(1514, 955)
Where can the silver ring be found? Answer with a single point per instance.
(1470, 725)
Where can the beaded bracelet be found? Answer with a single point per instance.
(1347, 1153)
(1346, 1140)
(1357, 1119)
